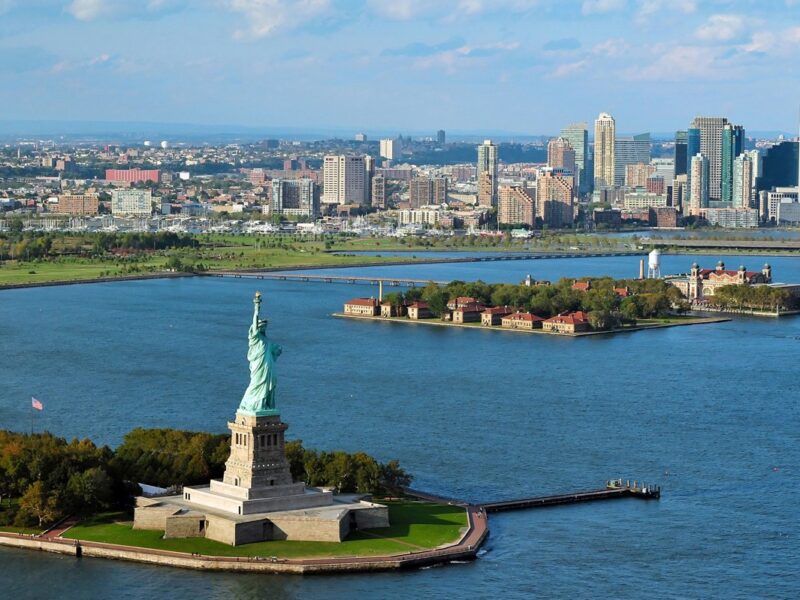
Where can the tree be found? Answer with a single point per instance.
(394, 478)
(90, 491)
(37, 503)
(436, 299)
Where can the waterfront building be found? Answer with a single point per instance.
(517, 206)
(487, 174)
(604, 161)
(137, 203)
(344, 180)
(573, 322)
(680, 154)
(788, 212)
(664, 216)
(554, 199)
(630, 151)
(521, 320)
(77, 204)
(640, 199)
(577, 134)
(561, 155)
(636, 175)
(365, 307)
(389, 309)
(424, 215)
(713, 147)
(702, 283)
(299, 197)
(135, 175)
(468, 313)
(698, 191)
(494, 315)
(732, 147)
(733, 218)
(774, 198)
(419, 310)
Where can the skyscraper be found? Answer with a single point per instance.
(779, 167)
(344, 179)
(698, 190)
(554, 199)
(440, 137)
(742, 181)
(630, 151)
(604, 135)
(681, 140)
(711, 147)
(487, 171)
(388, 148)
(295, 197)
(732, 146)
(578, 136)
(516, 206)
(561, 155)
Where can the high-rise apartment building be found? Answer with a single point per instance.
(732, 147)
(742, 182)
(699, 185)
(680, 154)
(487, 167)
(441, 137)
(604, 141)
(424, 191)
(561, 155)
(136, 203)
(516, 206)
(344, 180)
(577, 134)
(630, 151)
(636, 175)
(378, 191)
(554, 199)
(132, 175)
(711, 146)
(78, 204)
(388, 149)
(299, 197)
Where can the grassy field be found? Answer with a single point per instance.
(25, 530)
(415, 526)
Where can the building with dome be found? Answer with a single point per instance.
(702, 283)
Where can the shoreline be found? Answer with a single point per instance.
(464, 549)
(477, 326)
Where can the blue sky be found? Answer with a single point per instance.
(524, 66)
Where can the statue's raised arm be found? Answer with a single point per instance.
(259, 398)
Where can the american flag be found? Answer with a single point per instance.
(36, 404)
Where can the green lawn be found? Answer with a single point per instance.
(26, 530)
(415, 525)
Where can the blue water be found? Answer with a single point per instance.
(710, 412)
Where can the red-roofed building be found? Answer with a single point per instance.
(461, 301)
(582, 286)
(567, 323)
(393, 310)
(702, 283)
(494, 315)
(468, 313)
(419, 310)
(520, 320)
(622, 292)
(368, 307)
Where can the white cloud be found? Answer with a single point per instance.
(567, 69)
(400, 10)
(87, 10)
(776, 42)
(611, 48)
(721, 28)
(590, 7)
(679, 63)
(652, 8)
(266, 16)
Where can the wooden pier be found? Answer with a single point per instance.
(614, 489)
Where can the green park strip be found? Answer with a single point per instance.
(415, 526)
(657, 323)
(21, 530)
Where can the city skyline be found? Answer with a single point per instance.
(385, 66)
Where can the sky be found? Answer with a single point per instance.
(402, 66)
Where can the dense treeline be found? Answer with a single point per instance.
(647, 298)
(756, 297)
(44, 477)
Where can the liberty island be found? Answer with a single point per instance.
(257, 499)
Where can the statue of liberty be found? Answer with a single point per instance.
(259, 398)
